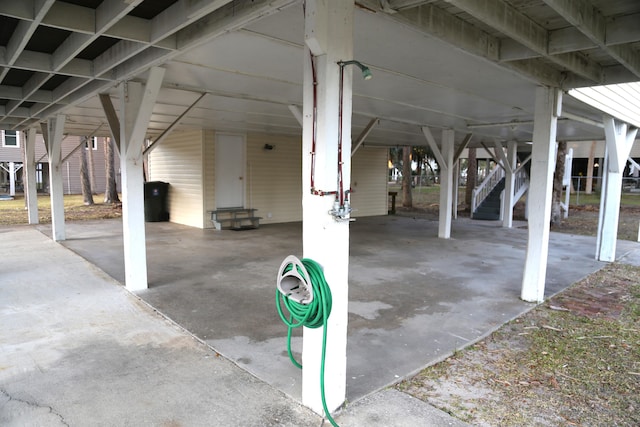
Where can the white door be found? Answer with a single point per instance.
(230, 168)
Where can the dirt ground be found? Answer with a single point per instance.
(572, 361)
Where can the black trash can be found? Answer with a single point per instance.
(155, 201)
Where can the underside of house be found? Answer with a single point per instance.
(283, 110)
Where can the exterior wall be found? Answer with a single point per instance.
(179, 161)
(274, 184)
(209, 184)
(70, 168)
(369, 182)
(186, 160)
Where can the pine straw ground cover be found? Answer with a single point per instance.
(572, 361)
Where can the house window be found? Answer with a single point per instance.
(10, 138)
(94, 143)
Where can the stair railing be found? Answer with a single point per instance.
(482, 191)
(522, 181)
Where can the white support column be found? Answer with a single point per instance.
(328, 37)
(12, 179)
(619, 140)
(53, 140)
(511, 161)
(456, 185)
(446, 184)
(136, 106)
(547, 110)
(444, 156)
(29, 173)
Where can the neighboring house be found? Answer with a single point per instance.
(268, 178)
(11, 158)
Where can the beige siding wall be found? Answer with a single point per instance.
(369, 182)
(178, 160)
(209, 184)
(187, 161)
(274, 184)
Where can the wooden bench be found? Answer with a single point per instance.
(235, 219)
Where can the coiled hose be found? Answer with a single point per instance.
(313, 315)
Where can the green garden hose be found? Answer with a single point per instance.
(312, 315)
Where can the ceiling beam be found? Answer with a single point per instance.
(23, 32)
(593, 24)
(181, 14)
(516, 25)
(442, 25)
(220, 21)
(108, 13)
(407, 4)
(80, 19)
(618, 31)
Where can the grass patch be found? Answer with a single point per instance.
(574, 360)
(13, 212)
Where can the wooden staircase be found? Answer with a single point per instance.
(235, 219)
(490, 207)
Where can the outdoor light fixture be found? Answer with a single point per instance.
(366, 72)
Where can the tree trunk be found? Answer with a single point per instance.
(407, 201)
(87, 195)
(111, 190)
(556, 209)
(590, 163)
(92, 172)
(472, 172)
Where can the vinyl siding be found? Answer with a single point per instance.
(274, 177)
(178, 160)
(71, 167)
(369, 182)
(209, 175)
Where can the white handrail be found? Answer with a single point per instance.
(482, 191)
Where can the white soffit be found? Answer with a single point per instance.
(621, 101)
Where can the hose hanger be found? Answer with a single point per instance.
(294, 282)
(303, 290)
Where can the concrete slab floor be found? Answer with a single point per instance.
(413, 298)
(76, 349)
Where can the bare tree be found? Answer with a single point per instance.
(87, 194)
(407, 200)
(92, 172)
(556, 208)
(111, 191)
(472, 173)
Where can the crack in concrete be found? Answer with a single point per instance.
(34, 405)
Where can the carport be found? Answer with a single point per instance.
(446, 74)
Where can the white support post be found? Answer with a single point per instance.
(511, 160)
(12, 179)
(29, 173)
(329, 39)
(444, 156)
(136, 106)
(619, 140)
(55, 128)
(548, 103)
(446, 184)
(456, 185)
